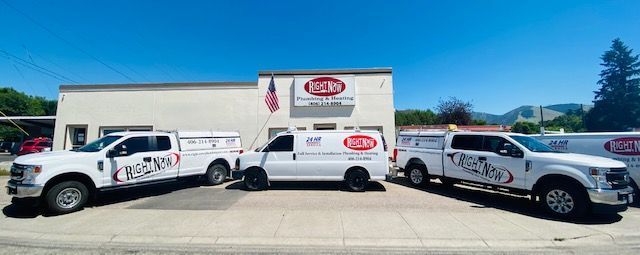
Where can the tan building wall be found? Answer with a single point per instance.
(230, 106)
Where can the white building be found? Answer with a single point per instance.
(309, 99)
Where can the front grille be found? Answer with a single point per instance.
(17, 172)
(618, 178)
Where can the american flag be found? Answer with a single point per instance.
(271, 98)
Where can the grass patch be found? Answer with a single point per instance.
(4, 172)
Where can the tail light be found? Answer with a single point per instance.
(241, 151)
(395, 153)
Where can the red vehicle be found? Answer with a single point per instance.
(35, 145)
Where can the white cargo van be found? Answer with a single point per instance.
(64, 180)
(352, 156)
(568, 185)
(621, 146)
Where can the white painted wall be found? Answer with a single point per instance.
(222, 108)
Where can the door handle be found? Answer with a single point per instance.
(147, 159)
(482, 158)
(294, 156)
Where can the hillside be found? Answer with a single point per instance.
(528, 113)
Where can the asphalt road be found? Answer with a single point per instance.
(6, 157)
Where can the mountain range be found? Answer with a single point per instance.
(529, 113)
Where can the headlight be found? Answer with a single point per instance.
(599, 174)
(30, 173)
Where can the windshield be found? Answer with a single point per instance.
(99, 144)
(532, 144)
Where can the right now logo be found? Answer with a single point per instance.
(629, 146)
(481, 168)
(360, 142)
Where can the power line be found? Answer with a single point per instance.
(36, 68)
(60, 67)
(68, 42)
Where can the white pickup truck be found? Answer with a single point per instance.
(568, 185)
(64, 180)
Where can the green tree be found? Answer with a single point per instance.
(617, 102)
(415, 117)
(14, 103)
(454, 111)
(571, 122)
(525, 127)
(479, 122)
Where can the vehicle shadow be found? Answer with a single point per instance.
(502, 201)
(310, 185)
(29, 210)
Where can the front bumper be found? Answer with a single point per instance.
(237, 174)
(23, 190)
(610, 201)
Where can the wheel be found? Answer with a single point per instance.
(357, 180)
(417, 175)
(255, 180)
(216, 174)
(66, 197)
(564, 201)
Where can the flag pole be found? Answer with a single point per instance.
(264, 125)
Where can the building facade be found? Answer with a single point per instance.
(308, 100)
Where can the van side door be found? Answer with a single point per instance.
(278, 158)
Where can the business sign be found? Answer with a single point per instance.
(325, 90)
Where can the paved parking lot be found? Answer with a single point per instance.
(390, 216)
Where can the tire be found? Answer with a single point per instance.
(566, 201)
(66, 197)
(255, 180)
(216, 174)
(417, 175)
(357, 180)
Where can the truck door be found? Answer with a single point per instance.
(462, 158)
(139, 159)
(278, 158)
(505, 162)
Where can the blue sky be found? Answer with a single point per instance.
(497, 54)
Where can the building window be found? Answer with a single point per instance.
(324, 126)
(76, 137)
(378, 128)
(274, 131)
(108, 130)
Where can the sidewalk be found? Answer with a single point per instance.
(352, 228)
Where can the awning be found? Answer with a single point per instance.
(30, 121)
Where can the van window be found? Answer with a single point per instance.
(164, 143)
(282, 143)
(467, 142)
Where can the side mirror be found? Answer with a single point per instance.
(517, 153)
(112, 153)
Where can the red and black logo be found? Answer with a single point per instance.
(629, 146)
(360, 142)
(325, 86)
(481, 168)
(146, 169)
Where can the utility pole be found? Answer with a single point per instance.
(541, 121)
